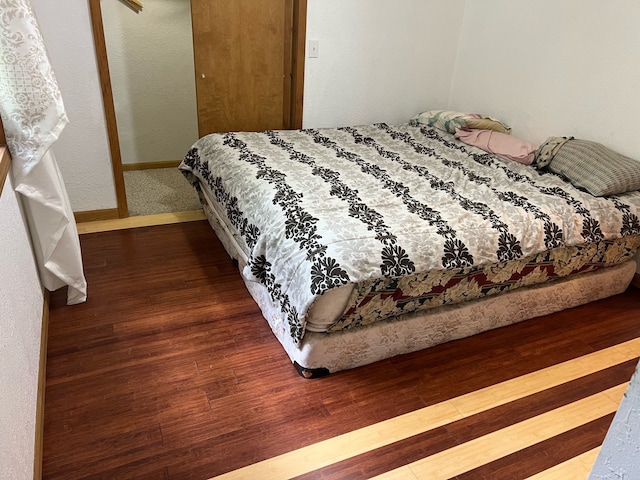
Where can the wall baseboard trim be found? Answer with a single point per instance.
(95, 215)
(636, 280)
(42, 379)
(149, 165)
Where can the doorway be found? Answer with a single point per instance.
(228, 80)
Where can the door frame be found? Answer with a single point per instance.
(299, 40)
(296, 97)
(100, 46)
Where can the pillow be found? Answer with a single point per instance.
(595, 168)
(442, 119)
(487, 123)
(450, 121)
(503, 145)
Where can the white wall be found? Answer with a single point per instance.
(546, 67)
(152, 75)
(20, 326)
(553, 68)
(379, 60)
(83, 148)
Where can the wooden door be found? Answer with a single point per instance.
(245, 53)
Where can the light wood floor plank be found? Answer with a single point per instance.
(482, 400)
(402, 473)
(346, 446)
(349, 445)
(488, 448)
(140, 221)
(577, 468)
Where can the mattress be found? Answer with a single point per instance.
(320, 209)
(355, 305)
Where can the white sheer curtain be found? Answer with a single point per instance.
(33, 115)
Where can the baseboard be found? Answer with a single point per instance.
(636, 280)
(148, 165)
(42, 378)
(95, 215)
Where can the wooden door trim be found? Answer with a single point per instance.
(109, 109)
(294, 63)
(298, 57)
(287, 91)
(5, 164)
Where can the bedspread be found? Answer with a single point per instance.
(383, 298)
(322, 208)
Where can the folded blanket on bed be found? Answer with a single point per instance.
(504, 146)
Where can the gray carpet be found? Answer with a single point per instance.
(162, 190)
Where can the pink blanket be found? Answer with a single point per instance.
(503, 145)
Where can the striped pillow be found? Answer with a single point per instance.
(596, 168)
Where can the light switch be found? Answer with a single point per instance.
(314, 45)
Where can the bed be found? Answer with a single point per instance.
(361, 243)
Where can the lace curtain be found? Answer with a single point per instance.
(33, 115)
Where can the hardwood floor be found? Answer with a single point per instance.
(170, 372)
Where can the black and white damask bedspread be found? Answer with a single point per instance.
(321, 208)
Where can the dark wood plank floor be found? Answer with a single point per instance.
(168, 371)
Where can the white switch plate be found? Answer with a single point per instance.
(314, 46)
